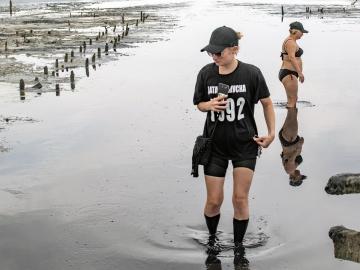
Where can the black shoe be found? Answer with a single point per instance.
(213, 247)
(239, 256)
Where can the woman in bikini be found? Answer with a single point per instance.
(291, 68)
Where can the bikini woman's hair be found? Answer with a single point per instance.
(239, 35)
(293, 31)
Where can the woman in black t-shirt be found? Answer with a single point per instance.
(235, 137)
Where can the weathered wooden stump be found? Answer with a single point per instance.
(345, 183)
(127, 29)
(72, 76)
(46, 70)
(22, 89)
(99, 52)
(57, 89)
(80, 49)
(123, 18)
(137, 23)
(37, 84)
(93, 58)
(66, 57)
(346, 243)
(84, 46)
(11, 8)
(6, 46)
(106, 48)
(72, 54)
(114, 29)
(87, 63)
(57, 63)
(53, 73)
(90, 41)
(22, 85)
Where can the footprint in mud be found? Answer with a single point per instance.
(299, 104)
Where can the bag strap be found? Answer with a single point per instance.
(216, 122)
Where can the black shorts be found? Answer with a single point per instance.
(217, 166)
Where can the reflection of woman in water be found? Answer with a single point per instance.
(234, 137)
(291, 144)
(291, 68)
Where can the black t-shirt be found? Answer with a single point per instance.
(233, 137)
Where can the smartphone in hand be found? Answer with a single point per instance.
(223, 89)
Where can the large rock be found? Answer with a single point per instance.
(346, 243)
(344, 183)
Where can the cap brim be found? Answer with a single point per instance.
(213, 48)
(305, 31)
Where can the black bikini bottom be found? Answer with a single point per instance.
(284, 72)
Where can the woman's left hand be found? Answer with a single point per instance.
(264, 141)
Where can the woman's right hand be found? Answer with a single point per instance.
(301, 77)
(217, 104)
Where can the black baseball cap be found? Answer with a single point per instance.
(221, 38)
(298, 26)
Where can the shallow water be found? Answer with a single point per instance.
(101, 179)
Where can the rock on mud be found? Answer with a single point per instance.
(344, 183)
(346, 243)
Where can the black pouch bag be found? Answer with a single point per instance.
(202, 151)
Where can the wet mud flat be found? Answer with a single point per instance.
(302, 10)
(57, 43)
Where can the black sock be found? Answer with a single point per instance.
(240, 227)
(212, 223)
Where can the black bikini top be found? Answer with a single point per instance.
(298, 53)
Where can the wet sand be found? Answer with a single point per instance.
(102, 179)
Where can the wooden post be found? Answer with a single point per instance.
(66, 58)
(282, 11)
(6, 47)
(11, 11)
(72, 54)
(22, 85)
(114, 29)
(137, 22)
(99, 53)
(57, 63)
(114, 47)
(46, 70)
(22, 89)
(72, 77)
(123, 18)
(53, 73)
(80, 49)
(106, 48)
(90, 41)
(118, 38)
(72, 80)
(57, 89)
(84, 45)
(127, 29)
(93, 58)
(141, 16)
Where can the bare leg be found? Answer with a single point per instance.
(242, 182)
(215, 195)
(290, 83)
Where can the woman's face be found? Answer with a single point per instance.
(298, 34)
(225, 57)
